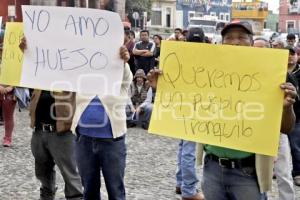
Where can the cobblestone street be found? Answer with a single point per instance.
(150, 171)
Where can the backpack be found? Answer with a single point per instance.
(23, 97)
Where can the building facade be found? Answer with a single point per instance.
(253, 11)
(272, 22)
(289, 16)
(186, 9)
(10, 10)
(163, 14)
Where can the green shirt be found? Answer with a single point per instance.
(225, 152)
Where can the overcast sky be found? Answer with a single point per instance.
(273, 5)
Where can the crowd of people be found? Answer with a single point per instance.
(99, 129)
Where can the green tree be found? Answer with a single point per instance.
(139, 6)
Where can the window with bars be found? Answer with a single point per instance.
(156, 18)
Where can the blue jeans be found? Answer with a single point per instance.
(107, 155)
(229, 184)
(186, 177)
(143, 118)
(294, 138)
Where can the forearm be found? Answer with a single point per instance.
(288, 120)
(147, 54)
(138, 52)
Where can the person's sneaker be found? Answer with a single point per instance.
(6, 143)
(297, 180)
(198, 196)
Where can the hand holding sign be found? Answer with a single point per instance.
(290, 94)
(152, 77)
(23, 44)
(124, 53)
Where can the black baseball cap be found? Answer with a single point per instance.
(243, 24)
(195, 34)
(291, 49)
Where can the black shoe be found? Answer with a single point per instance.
(145, 126)
(46, 194)
(130, 125)
(177, 190)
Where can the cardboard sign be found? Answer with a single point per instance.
(221, 95)
(72, 49)
(12, 56)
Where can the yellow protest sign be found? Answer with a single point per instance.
(12, 56)
(221, 95)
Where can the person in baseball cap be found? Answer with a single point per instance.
(243, 29)
(292, 50)
(195, 34)
(242, 24)
(186, 176)
(229, 173)
(229, 163)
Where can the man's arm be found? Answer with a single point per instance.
(148, 98)
(288, 115)
(149, 53)
(152, 77)
(138, 52)
(288, 120)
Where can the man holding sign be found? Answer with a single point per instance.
(232, 174)
(94, 64)
(52, 141)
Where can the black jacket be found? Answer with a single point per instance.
(294, 78)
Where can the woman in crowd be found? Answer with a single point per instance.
(7, 104)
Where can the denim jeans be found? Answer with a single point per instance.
(94, 155)
(186, 177)
(283, 170)
(221, 183)
(294, 138)
(143, 118)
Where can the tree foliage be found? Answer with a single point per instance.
(139, 6)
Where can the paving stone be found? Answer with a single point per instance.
(150, 170)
